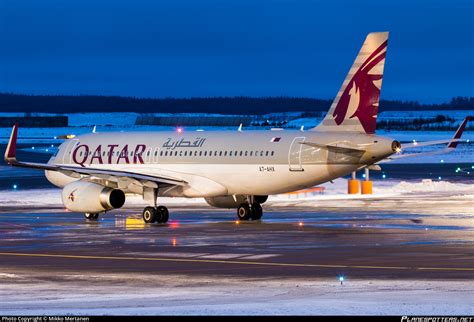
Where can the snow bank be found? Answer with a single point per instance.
(428, 185)
(158, 294)
(332, 191)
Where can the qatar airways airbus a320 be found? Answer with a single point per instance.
(230, 169)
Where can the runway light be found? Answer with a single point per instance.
(439, 178)
(179, 130)
(15, 186)
(55, 137)
(341, 279)
(52, 145)
(383, 176)
(237, 222)
(32, 148)
(47, 150)
(442, 161)
(467, 141)
(301, 224)
(174, 224)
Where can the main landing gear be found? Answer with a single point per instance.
(91, 216)
(249, 211)
(158, 214)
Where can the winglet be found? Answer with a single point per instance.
(455, 140)
(10, 153)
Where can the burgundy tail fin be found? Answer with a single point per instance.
(356, 105)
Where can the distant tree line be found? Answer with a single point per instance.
(221, 105)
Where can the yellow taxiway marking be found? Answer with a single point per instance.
(187, 260)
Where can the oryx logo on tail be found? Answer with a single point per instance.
(356, 105)
(361, 97)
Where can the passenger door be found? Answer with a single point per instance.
(294, 155)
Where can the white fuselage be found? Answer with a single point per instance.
(222, 163)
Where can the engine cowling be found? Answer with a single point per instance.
(88, 197)
(230, 202)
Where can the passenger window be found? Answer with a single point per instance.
(251, 153)
(266, 154)
(273, 152)
(225, 153)
(246, 153)
(241, 153)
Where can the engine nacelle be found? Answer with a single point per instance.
(230, 202)
(88, 197)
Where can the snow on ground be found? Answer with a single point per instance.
(333, 192)
(119, 294)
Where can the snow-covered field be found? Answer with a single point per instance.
(118, 294)
(332, 195)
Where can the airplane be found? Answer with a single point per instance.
(230, 169)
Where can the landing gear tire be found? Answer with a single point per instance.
(162, 214)
(244, 212)
(91, 216)
(149, 215)
(256, 211)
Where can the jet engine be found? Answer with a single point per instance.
(88, 197)
(230, 202)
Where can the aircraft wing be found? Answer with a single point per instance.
(79, 172)
(452, 144)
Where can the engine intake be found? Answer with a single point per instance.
(88, 197)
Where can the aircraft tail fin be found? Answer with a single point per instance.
(356, 105)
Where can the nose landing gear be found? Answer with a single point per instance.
(91, 216)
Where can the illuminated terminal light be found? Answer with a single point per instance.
(15, 186)
(442, 161)
(383, 176)
(52, 145)
(174, 242)
(301, 224)
(363, 175)
(179, 130)
(55, 137)
(237, 222)
(32, 148)
(414, 142)
(439, 178)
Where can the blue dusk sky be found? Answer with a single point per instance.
(183, 48)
